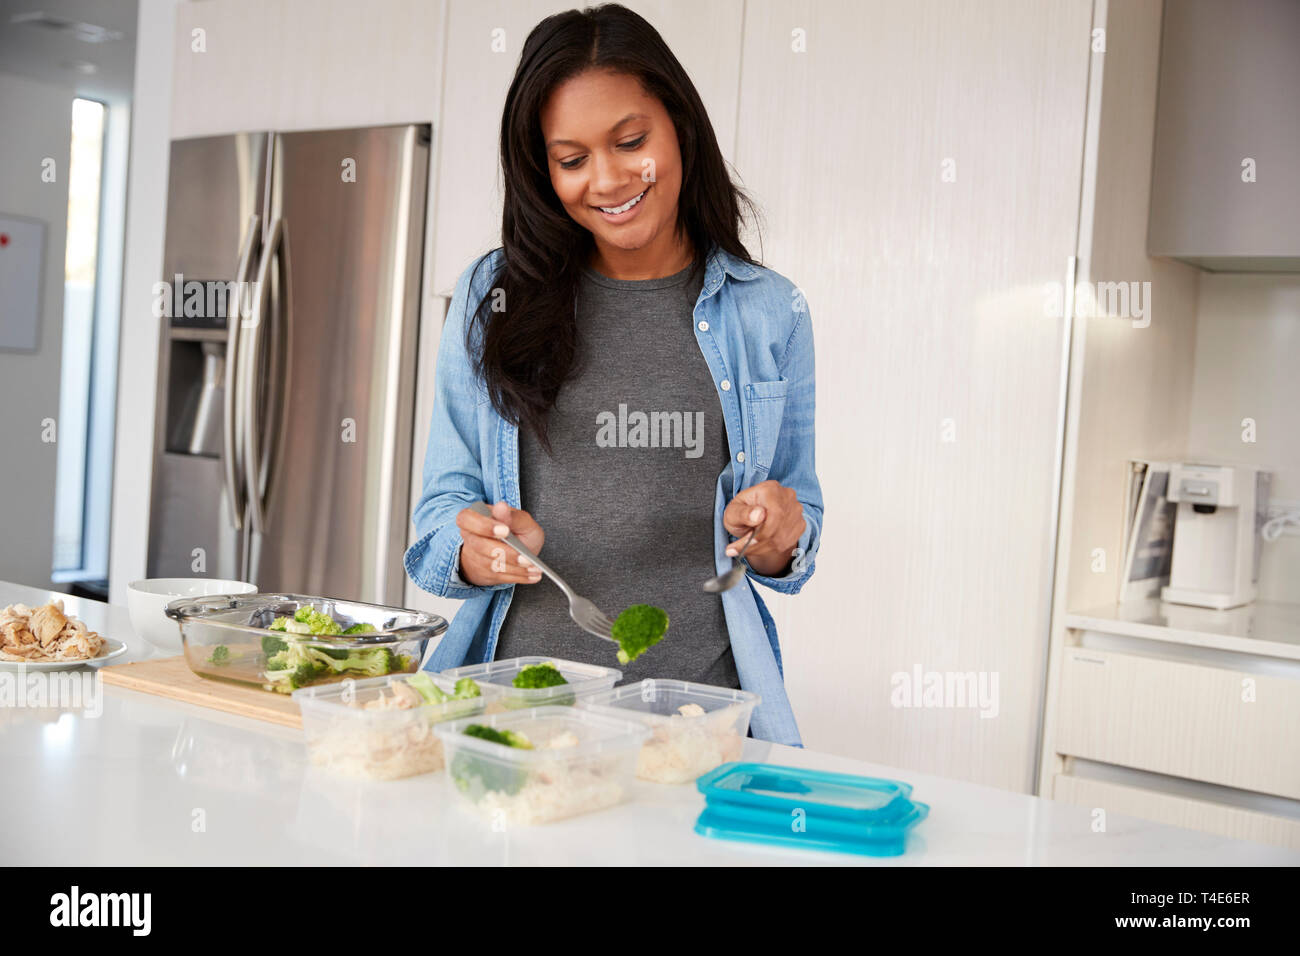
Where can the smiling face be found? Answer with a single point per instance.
(616, 167)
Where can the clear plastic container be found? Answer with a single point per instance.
(681, 745)
(580, 761)
(497, 680)
(377, 728)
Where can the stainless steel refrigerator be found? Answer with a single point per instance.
(283, 439)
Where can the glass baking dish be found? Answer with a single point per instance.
(228, 637)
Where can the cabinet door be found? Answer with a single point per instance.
(919, 167)
(1235, 822)
(1204, 723)
(1229, 73)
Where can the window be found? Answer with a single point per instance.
(77, 374)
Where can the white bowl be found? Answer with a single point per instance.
(146, 599)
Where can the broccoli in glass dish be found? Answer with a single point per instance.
(637, 629)
(292, 664)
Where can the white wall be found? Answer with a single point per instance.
(1219, 348)
(146, 207)
(37, 125)
(1248, 366)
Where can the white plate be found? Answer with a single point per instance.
(108, 651)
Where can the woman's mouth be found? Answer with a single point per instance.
(624, 211)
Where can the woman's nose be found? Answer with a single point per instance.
(607, 176)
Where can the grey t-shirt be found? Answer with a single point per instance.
(626, 498)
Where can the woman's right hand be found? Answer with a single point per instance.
(485, 559)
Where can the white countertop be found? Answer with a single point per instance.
(1266, 628)
(132, 786)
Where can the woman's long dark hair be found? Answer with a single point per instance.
(528, 330)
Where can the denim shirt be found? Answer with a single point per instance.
(755, 333)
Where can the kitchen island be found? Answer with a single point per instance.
(139, 779)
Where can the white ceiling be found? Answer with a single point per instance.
(58, 57)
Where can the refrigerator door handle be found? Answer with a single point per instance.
(230, 426)
(252, 357)
(280, 338)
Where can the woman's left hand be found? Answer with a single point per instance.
(776, 512)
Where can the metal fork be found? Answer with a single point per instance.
(729, 579)
(585, 614)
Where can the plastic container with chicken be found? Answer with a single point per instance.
(522, 767)
(381, 728)
(693, 727)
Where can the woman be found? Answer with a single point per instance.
(624, 384)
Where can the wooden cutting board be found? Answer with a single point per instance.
(171, 677)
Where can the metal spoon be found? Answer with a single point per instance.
(584, 613)
(723, 582)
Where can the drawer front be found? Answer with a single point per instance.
(1179, 811)
(1187, 720)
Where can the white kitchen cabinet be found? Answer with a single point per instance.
(919, 168)
(1223, 189)
(242, 65)
(1180, 715)
(1205, 815)
(1219, 725)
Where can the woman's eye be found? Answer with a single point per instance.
(571, 163)
(632, 144)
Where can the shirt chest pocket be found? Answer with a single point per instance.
(764, 409)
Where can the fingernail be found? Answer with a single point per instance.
(524, 560)
(755, 514)
(500, 530)
(731, 551)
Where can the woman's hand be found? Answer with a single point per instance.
(776, 512)
(485, 559)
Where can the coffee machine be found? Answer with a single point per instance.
(1216, 533)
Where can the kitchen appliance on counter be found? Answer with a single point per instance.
(286, 385)
(1221, 509)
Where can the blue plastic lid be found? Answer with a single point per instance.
(774, 828)
(862, 801)
(809, 809)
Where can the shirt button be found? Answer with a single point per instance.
(704, 326)
(740, 457)
(726, 386)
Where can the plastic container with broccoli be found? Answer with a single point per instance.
(693, 727)
(519, 682)
(283, 642)
(382, 728)
(531, 766)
